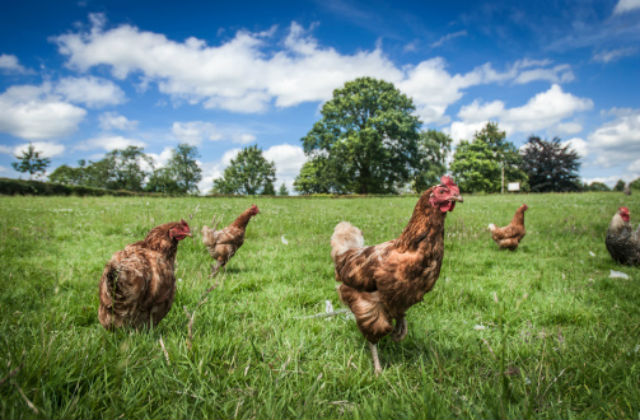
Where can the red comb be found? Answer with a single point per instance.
(446, 180)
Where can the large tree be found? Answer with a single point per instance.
(368, 136)
(317, 176)
(550, 166)
(127, 168)
(478, 164)
(65, 174)
(31, 161)
(184, 169)
(248, 173)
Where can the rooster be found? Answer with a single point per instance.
(510, 236)
(138, 284)
(622, 243)
(380, 283)
(223, 244)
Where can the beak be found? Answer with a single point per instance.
(457, 198)
(189, 234)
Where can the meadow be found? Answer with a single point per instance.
(542, 332)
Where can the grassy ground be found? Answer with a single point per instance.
(542, 332)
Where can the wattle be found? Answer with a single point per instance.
(447, 206)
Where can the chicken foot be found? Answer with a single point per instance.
(374, 354)
(400, 330)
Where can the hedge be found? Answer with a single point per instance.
(9, 186)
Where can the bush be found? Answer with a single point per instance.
(10, 186)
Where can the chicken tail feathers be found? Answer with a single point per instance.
(345, 237)
(492, 227)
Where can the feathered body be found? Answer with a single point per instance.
(138, 284)
(509, 237)
(622, 243)
(381, 282)
(223, 244)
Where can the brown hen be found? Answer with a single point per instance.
(509, 237)
(138, 284)
(223, 244)
(380, 283)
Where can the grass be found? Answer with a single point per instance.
(542, 332)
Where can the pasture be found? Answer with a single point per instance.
(542, 332)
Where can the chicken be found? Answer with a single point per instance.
(138, 284)
(380, 283)
(622, 243)
(223, 244)
(509, 237)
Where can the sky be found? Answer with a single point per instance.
(81, 78)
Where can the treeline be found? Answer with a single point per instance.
(131, 169)
(367, 141)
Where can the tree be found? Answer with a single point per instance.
(619, 186)
(65, 174)
(550, 166)
(268, 189)
(283, 190)
(31, 161)
(184, 169)
(368, 138)
(126, 168)
(317, 176)
(163, 181)
(434, 146)
(249, 173)
(598, 186)
(478, 165)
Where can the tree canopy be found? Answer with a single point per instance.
(31, 161)
(248, 173)
(477, 165)
(365, 142)
(551, 166)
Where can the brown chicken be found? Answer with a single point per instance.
(138, 285)
(622, 243)
(223, 244)
(380, 283)
(510, 236)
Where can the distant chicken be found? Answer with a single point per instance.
(622, 243)
(223, 244)
(381, 282)
(138, 284)
(510, 236)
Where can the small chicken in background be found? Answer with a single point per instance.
(622, 243)
(138, 284)
(510, 236)
(223, 244)
(380, 283)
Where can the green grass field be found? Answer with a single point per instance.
(542, 332)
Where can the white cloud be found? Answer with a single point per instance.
(577, 144)
(244, 138)
(114, 121)
(544, 110)
(92, 91)
(448, 37)
(288, 159)
(214, 170)
(613, 55)
(109, 143)
(35, 112)
(569, 127)
(625, 6)
(618, 141)
(160, 160)
(47, 149)
(251, 71)
(10, 64)
(193, 132)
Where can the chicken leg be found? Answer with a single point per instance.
(400, 330)
(374, 354)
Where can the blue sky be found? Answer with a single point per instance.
(80, 78)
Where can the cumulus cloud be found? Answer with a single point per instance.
(245, 74)
(625, 6)
(288, 160)
(94, 92)
(47, 149)
(160, 160)
(10, 64)
(214, 170)
(194, 132)
(577, 144)
(618, 141)
(544, 110)
(114, 121)
(109, 143)
(36, 112)
(569, 127)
